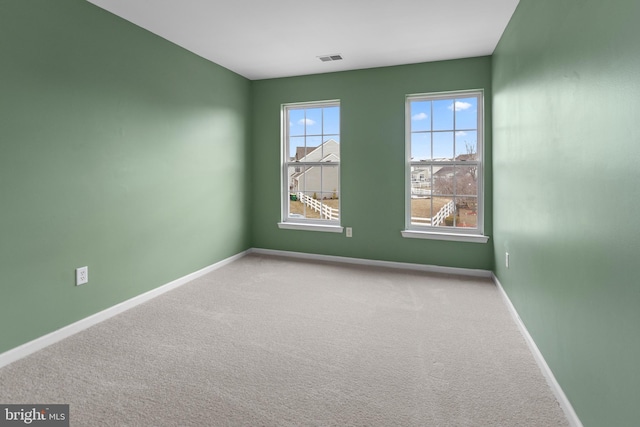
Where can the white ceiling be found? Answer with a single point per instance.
(262, 39)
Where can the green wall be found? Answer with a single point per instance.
(372, 159)
(566, 97)
(126, 153)
(119, 151)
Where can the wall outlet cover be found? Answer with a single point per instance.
(82, 275)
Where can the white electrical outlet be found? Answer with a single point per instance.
(349, 232)
(82, 275)
(506, 259)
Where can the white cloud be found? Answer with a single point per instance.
(307, 122)
(419, 116)
(461, 133)
(461, 105)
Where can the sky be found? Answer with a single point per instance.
(447, 126)
(318, 124)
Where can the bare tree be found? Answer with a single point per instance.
(459, 179)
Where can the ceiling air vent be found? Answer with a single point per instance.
(328, 58)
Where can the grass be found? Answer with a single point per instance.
(300, 209)
(422, 208)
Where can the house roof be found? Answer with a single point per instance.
(445, 170)
(465, 157)
(303, 151)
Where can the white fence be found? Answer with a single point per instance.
(420, 192)
(438, 219)
(326, 212)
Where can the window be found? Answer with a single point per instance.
(444, 166)
(311, 166)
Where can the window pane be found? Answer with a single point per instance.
(314, 205)
(303, 148)
(313, 121)
(296, 178)
(331, 121)
(316, 191)
(466, 180)
(330, 208)
(314, 141)
(327, 179)
(443, 115)
(298, 208)
(443, 145)
(320, 179)
(420, 146)
(335, 190)
(420, 116)
(330, 151)
(443, 180)
(443, 209)
(421, 211)
(466, 145)
(466, 113)
(420, 181)
(467, 212)
(296, 148)
(296, 122)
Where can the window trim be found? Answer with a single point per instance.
(453, 237)
(311, 227)
(308, 224)
(463, 234)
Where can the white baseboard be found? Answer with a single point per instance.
(62, 333)
(376, 263)
(566, 406)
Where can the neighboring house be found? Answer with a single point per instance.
(447, 172)
(421, 179)
(420, 175)
(444, 173)
(323, 181)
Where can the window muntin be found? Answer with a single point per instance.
(444, 165)
(311, 163)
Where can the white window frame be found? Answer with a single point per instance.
(296, 223)
(423, 231)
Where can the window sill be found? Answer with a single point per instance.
(311, 227)
(452, 237)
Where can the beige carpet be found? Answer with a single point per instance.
(267, 341)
